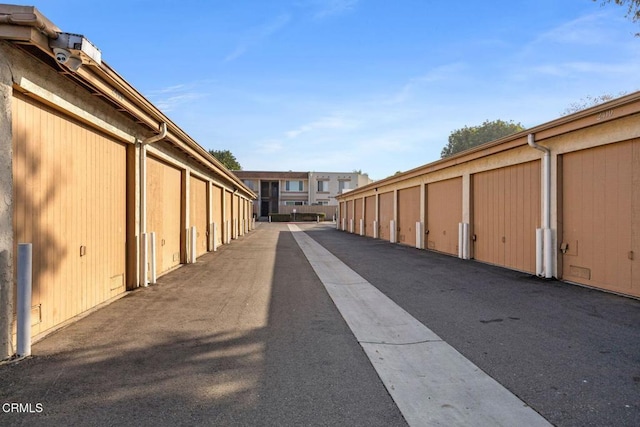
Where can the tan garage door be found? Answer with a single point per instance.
(369, 215)
(70, 203)
(386, 214)
(164, 195)
(198, 212)
(506, 213)
(408, 214)
(601, 217)
(444, 213)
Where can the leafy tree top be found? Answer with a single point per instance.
(590, 101)
(227, 158)
(469, 137)
(633, 8)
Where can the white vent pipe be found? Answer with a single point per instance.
(545, 251)
(23, 338)
(152, 259)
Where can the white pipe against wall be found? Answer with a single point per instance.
(539, 251)
(215, 237)
(375, 229)
(361, 227)
(465, 240)
(144, 260)
(351, 225)
(419, 235)
(548, 254)
(143, 200)
(25, 257)
(152, 243)
(143, 213)
(392, 231)
(193, 242)
(547, 243)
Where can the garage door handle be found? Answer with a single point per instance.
(631, 255)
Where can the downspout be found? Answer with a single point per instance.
(544, 249)
(143, 201)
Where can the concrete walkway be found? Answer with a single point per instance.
(250, 336)
(432, 383)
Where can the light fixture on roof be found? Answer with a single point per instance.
(73, 50)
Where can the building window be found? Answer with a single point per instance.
(343, 185)
(294, 203)
(322, 203)
(294, 186)
(249, 183)
(323, 186)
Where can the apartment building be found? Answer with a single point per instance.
(277, 190)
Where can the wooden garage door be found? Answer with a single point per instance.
(506, 213)
(369, 215)
(444, 213)
(601, 217)
(358, 216)
(386, 214)
(198, 212)
(164, 195)
(70, 203)
(216, 195)
(408, 214)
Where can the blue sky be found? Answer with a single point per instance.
(339, 85)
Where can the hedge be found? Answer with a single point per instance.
(307, 216)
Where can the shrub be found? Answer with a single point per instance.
(277, 217)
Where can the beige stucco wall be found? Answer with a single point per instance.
(6, 208)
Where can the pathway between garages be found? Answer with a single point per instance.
(431, 382)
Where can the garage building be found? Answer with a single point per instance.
(109, 192)
(560, 200)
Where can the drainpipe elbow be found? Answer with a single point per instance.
(531, 140)
(156, 138)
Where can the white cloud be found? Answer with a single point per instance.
(324, 123)
(270, 147)
(571, 68)
(447, 72)
(169, 98)
(257, 35)
(585, 30)
(328, 8)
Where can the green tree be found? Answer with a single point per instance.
(469, 137)
(633, 8)
(589, 101)
(227, 158)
